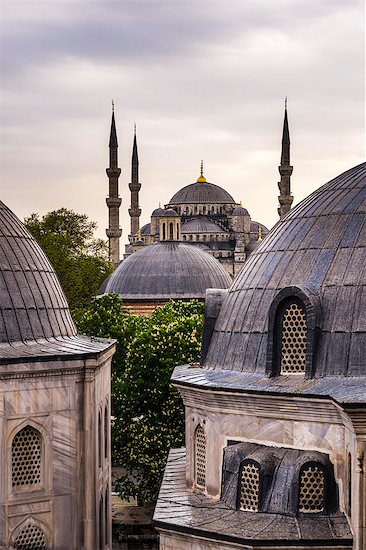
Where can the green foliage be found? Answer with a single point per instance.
(79, 260)
(149, 414)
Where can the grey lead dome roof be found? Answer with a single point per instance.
(202, 192)
(200, 225)
(167, 270)
(35, 320)
(320, 247)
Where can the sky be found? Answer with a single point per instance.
(202, 79)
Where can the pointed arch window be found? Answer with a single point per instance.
(164, 232)
(30, 538)
(312, 488)
(249, 486)
(26, 458)
(171, 231)
(200, 456)
(293, 327)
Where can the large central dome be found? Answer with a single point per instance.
(202, 192)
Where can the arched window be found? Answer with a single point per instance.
(106, 516)
(197, 237)
(204, 210)
(177, 231)
(100, 440)
(30, 538)
(184, 238)
(26, 458)
(200, 458)
(312, 488)
(349, 507)
(293, 329)
(106, 431)
(171, 228)
(249, 486)
(190, 237)
(164, 232)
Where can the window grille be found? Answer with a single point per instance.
(31, 538)
(26, 458)
(249, 487)
(312, 483)
(200, 457)
(293, 349)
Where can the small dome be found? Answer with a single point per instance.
(201, 193)
(170, 213)
(319, 252)
(167, 270)
(157, 212)
(200, 225)
(145, 229)
(240, 211)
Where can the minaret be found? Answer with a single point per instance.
(113, 200)
(135, 186)
(285, 169)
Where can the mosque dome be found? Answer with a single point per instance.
(157, 212)
(169, 213)
(167, 270)
(33, 305)
(202, 192)
(240, 211)
(314, 258)
(201, 225)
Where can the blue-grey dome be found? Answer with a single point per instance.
(170, 213)
(202, 192)
(201, 225)
(167, 270)
(319, 251)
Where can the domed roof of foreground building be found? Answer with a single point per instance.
(167, 270)
(318, 253)
(202, 192)
(34, 315)
(200, 225)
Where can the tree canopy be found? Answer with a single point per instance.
(148, 411)
(80, 261)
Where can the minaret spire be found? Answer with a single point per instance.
(135, 186)
(113, 200)
(285, 169)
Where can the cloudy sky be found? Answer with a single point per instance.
(201, 79)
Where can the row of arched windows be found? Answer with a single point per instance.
(312, 483)
(207, 237)
(198, 209)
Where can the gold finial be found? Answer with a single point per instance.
(241, 204)
(201, 179)
(112, 106)
(159, 204)
(139, 235)
(286, 102)
(259, 233)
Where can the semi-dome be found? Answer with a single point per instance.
(167, 270)
(315, 256)
(200, 193)
(35, 320)
(200, 225)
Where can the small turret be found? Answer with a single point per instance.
(169, 225)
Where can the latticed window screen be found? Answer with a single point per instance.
(311, 495)
(26, 458)
(249, 487)
(200, 457)
(293, 339)
(31, 538)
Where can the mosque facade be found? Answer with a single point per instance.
(205, 215)
(275, 453)
(54, 409)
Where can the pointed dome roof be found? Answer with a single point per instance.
(167, 270)
(319, 247)
(202, 192)
(33, 309)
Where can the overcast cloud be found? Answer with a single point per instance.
(202, 79)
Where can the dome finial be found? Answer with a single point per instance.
(139, 235)
(260, 238)
(201, 179)
(112, 106)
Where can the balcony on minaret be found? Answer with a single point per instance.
(113, 202)
(113, 232)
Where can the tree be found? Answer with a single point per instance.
(148, 411)
(80, 261)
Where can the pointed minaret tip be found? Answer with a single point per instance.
(134, 128)
(201, 179)
(286, 102)
(112, 106)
